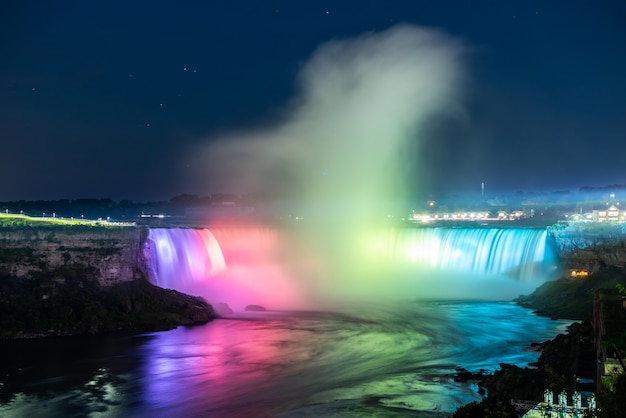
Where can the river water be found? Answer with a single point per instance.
(367, 361)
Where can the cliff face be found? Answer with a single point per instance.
(110, 255)
(74, 280)
(589, 246)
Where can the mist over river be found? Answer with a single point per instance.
(372, 361)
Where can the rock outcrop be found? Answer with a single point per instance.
(78, 307)
(72, 280)
(112, 254)
(589, 246)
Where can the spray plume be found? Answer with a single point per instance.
(342, 154)
(346, 140)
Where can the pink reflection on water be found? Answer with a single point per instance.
(227, 369)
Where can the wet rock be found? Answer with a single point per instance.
(255, 308)
(222, 308)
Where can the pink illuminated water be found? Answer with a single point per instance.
(238, 266)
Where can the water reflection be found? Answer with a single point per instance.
(230, 365)
(72, 376)
(383, 361)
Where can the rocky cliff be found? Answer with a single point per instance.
(589, 246)
(68, 280)
(110, 254)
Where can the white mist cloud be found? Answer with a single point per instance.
(345, 146)
(349, 132)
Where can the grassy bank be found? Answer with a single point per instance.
(19, 221)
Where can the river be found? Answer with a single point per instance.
(373, 360)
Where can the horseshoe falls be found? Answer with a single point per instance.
(282, 269)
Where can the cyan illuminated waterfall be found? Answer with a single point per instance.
(267, 266)
(520, 253)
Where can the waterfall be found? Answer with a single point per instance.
(184, 255)
(520, 253)
(278, 267)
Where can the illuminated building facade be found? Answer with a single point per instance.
(611, 214)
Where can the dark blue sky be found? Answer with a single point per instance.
(109, 99)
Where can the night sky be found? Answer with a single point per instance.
(134, 100)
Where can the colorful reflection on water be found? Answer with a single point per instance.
(377, 360)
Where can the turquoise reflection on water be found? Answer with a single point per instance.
(401, 356)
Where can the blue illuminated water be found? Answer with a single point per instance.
(381, 361)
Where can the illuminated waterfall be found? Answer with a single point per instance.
(263, 265)
(184, 256)
(238, 266)
(521, 253)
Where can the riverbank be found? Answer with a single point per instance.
(571, 297)
(563, 361)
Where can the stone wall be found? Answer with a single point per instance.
(110, 254)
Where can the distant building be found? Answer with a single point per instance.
(611, 214)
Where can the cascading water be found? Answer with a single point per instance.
(241, 266)
(237, 266)
(184, 255)
(521, 253)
